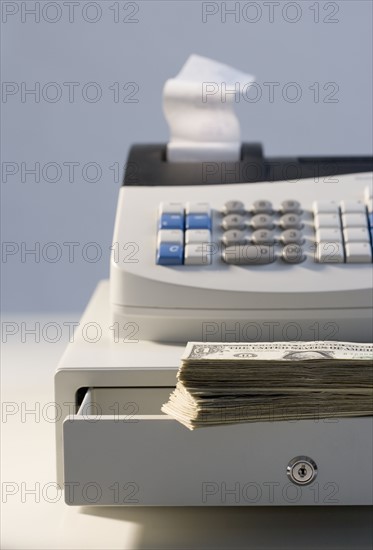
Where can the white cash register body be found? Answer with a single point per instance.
(198, 256)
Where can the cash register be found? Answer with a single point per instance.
(215, 242)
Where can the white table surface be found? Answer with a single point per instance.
(28, 461)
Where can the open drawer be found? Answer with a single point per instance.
(120, 450)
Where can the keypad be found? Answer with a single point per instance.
(184, 234)
(344, 231)
(261, 233)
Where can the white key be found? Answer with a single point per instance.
(262, 221)
(234, 236)
(170, 236)
(325, 207)
(290, 206)
(356, 235)
(263, 236)
(369, 205)
(327, 220)
(358, 253)
(354, 220)
(368, 192)
(196, 236)
(197, 254)
(329, 235)
(262, 207)
(234, 207)
(330, 253)
(291, 221)
(233, 221)
(171, 208)
(353, 207)
(197, 208)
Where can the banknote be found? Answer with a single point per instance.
(225, 383)
(278, 351)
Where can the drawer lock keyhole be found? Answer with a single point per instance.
(301, 470)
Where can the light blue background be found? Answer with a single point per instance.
(149, 52)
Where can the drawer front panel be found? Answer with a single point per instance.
(150, 459)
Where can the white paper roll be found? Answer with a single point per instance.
(199, 108)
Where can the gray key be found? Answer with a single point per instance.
(290, 221)
(234, 207)
(262, 221)
(292, 236)
(262, 207)
(233, 221)
(263, 236)
(293, 254)
(234, 236)
(290, 206)
(249, 254)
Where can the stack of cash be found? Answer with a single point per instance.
(230, 383)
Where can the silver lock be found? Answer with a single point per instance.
(302, 470)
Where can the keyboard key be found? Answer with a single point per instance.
(198, 221)
(354, 220)
(293, 254)
(353, 207)
(171, 221)
(248, 254)
(171, 208)
(263, 236)
(369, 205)
(234, 207)
(234, 236)
(170, 254)
(356, 235)
(262, 221)
(290, 221)
(325, 207)
(170, 236)
(198, 208)
(197, 254)
(330, 253)
(329, 235)
(358, 253)
(262, 207)
(370, 219)
(327, 220)
(290, 207)
(233, 221)
(197, 236)
(291, 236)
(368, 192)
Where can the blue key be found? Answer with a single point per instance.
(170, 254)
(198, 221)
(370, 217)
(171, 221)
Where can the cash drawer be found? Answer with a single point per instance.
(120, 450)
